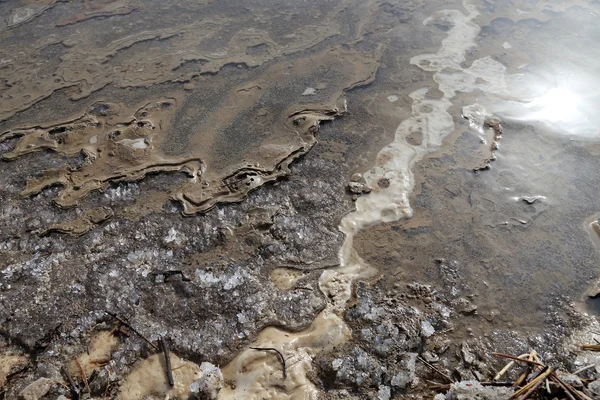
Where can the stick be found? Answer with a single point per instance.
(577, 394)
(507, 367)
(132, 329)
(281, 357)
(556, 379)
(536, 381)
(83, 375)
(533, 389)
(73, 388)
(532, 356)
(165, 349)
(580, 370)
(436, 370)
(438, 386)
(591, 347)
(518, 359)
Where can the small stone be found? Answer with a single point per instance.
(594, 388)
(427, 329)
(209, 384)
(384, 393)
(467, 355)
(36, 390)
(430, 357)
(383, 183)
(571, 379)
(357, 177)
(359, 188)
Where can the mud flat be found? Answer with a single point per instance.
(344, 199)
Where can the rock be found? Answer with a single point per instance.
(427, 329)
(357, 177)
(384, 393)
(570, 379)
(430, 357)
(594, 388)
(209, 384)
(359, 188)
(467, 355)
(473, 390)
(407, 375)
(36, 390)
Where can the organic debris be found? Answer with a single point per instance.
(537, 381)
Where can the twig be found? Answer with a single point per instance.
(507, 367)
(518, 359)
(165, 349)
(591, 347)
(533, 389)
(580, 370)
(439, 386)
(556, 379)
(73, 388)
(132, 329)
(436, 370)
(536, 381)
(107, 383)
(569, 389)
(83, 375)
(168, 274)
(281, 357)
(497, 384)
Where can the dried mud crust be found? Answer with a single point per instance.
(121, 266)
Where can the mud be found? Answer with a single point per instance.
(321, 178)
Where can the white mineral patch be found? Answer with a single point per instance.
(506, 45)
(134, 143)
(21, 15)
(392, 98)
(175, 237)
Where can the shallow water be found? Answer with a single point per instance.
(474, 125)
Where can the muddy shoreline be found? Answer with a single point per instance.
(338, 200)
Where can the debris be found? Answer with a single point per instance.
(37, 389)
(436, 370)
(167, 274)
(132, 329)
(493, 124)
(73, 389)
(281, 357)
(165, 348)
(209, 384)
(531, 199)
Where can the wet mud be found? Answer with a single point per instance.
(306, 198)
